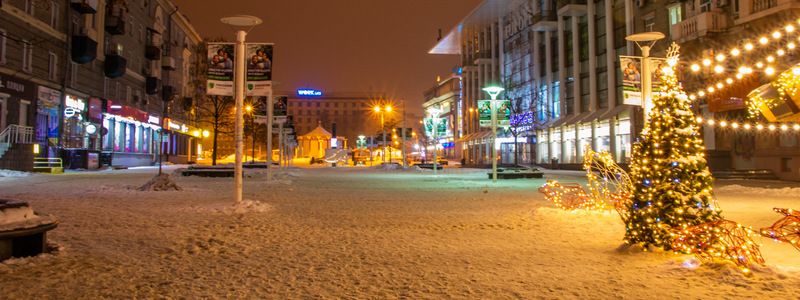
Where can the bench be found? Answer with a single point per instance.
(22, 232)
(208, 172)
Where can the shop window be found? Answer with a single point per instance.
(30, 7)
(54, 13)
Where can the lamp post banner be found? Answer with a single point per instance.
(220, 69)
(441, 127)
(281, 102)
(657, 66)
(503, 113)
(259, 69)
(631, 80)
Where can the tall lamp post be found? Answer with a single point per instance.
(645, 41)
(383, 111)
(493, 91)
(241, 22)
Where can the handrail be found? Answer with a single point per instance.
(16, 134)
(47, 162)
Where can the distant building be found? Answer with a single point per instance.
(351, 112)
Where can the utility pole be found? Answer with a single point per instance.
(403, 136)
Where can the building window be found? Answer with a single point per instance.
(52, 66)
(54, 12)
(27, 56)
(674, 14)
(2, 47)
(128, 93)
(649, 23)
(786, 164)
(29, 5)
(117, 90)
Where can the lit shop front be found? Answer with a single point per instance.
(130, 135)
(181, 144)
(81, 133)
(564, 144)
(47, 122)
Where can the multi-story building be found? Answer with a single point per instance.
(445, 97)
(559, 64)
(352, 113)
(102, 75)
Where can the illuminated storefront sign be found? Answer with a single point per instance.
(177, 126)
(73, 102)
(153, 120)
(309, 92)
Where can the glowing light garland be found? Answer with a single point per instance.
(787, 229)
(721, 239)
(569, 196)
(716, 65)
(608, 182)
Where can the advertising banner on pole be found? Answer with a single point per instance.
(259, 69)
(657, 66)
(441, 127)
(220, 69)
(503, 113)
(631, 80)
(279, 108)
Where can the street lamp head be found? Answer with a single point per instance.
(376, 109)
(249, 108)
(493, 91)
(241, 21)
(389, 108)
(645, 37)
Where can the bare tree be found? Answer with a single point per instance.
(539, 116)
(216, 112)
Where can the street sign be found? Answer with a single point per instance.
(279, 119)
(260, 119)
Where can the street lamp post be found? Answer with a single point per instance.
(240, 21)
(493, 91)
(646, 41)
(382, 111)
(249, 110)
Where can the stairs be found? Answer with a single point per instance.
(3, 148)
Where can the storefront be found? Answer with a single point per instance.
(81, 132)
(131, 135)
(47, 122)
(180, 144)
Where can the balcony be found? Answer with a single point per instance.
(152, 85)
(115, 24)
(750, 10)
(699, 26)
(544, 21)
(167, 93)
(84, 49)
(573, 8)
(115, 65)
(84, 6)
(152, 52)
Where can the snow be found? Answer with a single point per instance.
(365, 232)
(13, 174)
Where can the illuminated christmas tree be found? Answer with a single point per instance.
(671, 181)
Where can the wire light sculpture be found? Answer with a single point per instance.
(608, 183)
(569, 196)
(787, 229)
(722, 239)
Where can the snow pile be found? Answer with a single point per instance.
(160, 183)
(247, 206)
(772, 192)
(12, 173)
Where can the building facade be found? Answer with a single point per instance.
(446, 97)
(101, 72)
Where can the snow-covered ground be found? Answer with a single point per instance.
(364, 233)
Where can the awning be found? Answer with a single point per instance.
(558, 122)
(577, 118)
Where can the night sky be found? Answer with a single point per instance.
(345, 45)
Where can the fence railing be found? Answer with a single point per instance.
(16, 134)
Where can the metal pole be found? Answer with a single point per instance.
(269, 133)
(253, 135)
(239, 79)
(434, 121)
(280, 144)
(403, 136)
(494, 139)
(647, 86)
(383, 129)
